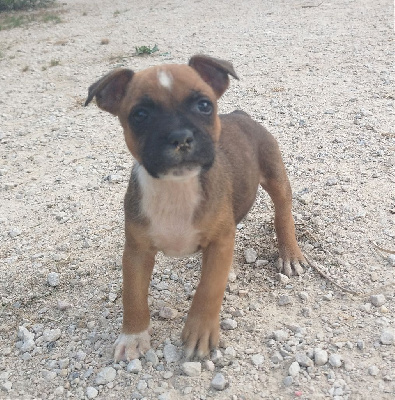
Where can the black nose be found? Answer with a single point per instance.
(181, 138)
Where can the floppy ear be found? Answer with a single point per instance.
(214, 72)
(110, 90)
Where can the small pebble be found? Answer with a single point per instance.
(228, 324)
(216, 355)
(150, 356)
(168, 313)
(303, 360)
(91, 392)
(171, 353)
(288, 381)
(284, 299)
(53, 279)
(294, 369)
(280, 335)
(335, 360)
(320, 357)
(14, 232)
(257, 359)
(218, 382)
(209, 365)
(6, 386)
(63, 305)
(373, 370)
(387, 337)
(282, 278)
(192, 368)
(261, 263)
(105, 376)
(134, 366)
(377, 300)
(250, 255)
(276, 358)
(51, 335)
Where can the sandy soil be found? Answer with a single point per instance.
(320, 77)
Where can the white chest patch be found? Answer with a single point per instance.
(165, 78)
(170, 206)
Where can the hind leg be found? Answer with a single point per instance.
(275, 181)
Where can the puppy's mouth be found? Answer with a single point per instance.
(181, 172)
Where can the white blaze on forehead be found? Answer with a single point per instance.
(165, 79)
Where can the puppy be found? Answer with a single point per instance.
(195, 176)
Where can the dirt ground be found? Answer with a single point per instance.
(320, 76)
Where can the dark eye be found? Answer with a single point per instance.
(205, 107)
(140, 115)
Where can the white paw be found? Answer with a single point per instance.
(131, 346)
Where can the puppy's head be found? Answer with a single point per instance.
(168, 113)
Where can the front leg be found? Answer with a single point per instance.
(137, 265)
(201, 331)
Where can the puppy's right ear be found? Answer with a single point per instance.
(110, 90)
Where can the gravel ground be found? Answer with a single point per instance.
(320, 76)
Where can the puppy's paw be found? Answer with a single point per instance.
(131, 346)
(199, 336)
(291, 265)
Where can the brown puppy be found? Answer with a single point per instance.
(195, 177)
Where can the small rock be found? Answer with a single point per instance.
(27, 339)
(294, 369)
(134, 366)
(284, 299)
(228, 324)
(80, 355)
(6, 386)
(303, 360)
(209, 365)
(150, 356)
(232, 276)
(377, 300)
(250, 255)
(391, 260)
(261, 263)
(373, 370)
(168, 313)
(141, 385)
(282, 278)
(387, 337)
(192, 368)
(257, 359)
(280, 335)
(335, 360)
(171, 353)
(14, 232)
(63, 305)
(53, 279)
(288, 381)
(320, 357)
(216, 355)
(106, 375)
(48, 375)
(51, 335)
(114, 178)
(91, 392)
(230, 352)
(328, 297)
(218, 382)
(112, 297)
(64, 363)
(276, 358)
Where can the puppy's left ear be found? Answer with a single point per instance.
(214, 72)
(110, 90)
